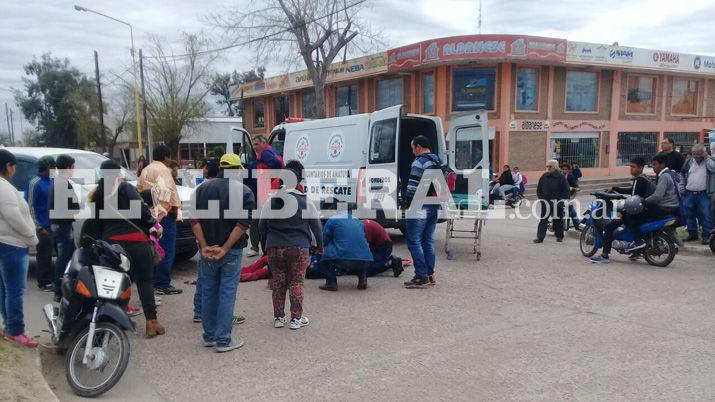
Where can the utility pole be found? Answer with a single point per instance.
(479, 21)
(7, 117)
(102, 137)
(12, 127)
(147, 133)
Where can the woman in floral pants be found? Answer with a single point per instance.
(286, 241)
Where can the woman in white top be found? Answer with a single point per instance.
(17, 234)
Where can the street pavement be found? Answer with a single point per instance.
(527, 322)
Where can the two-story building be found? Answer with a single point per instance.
(594, 104)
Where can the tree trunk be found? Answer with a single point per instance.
(319, 106)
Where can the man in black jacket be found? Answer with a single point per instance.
(675, 158)
(553, 193)
(642, 187)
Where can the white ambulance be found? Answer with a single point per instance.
(347, 157)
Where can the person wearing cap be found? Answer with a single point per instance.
(37, 196)
(62, 215)
(157, 177)
(553, 192)
(222, 237)
(17, 234)
(130, 232)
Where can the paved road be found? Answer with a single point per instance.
(526, 322)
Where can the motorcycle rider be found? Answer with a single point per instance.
(642, 187)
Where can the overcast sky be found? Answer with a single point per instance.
(32, 27)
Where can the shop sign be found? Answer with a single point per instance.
(404, 57)
(529, 125)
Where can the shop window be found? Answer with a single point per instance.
(527, 89)
(636, 144)
(258, 114)
(281, 108)
(428, 93)
(582, 148)
(641, 94)
(309, 105)
(685, 96)
(382, 141)
(346, 100)
(389, 93)
(581, 91)
(473, 88)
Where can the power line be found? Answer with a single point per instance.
(248, 42)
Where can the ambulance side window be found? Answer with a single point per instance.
(382, 141)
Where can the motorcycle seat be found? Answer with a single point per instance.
(658, 224)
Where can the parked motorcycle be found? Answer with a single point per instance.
(91, 319)
(660, 236)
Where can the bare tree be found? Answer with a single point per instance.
(121, 116)
(176, 87)
(316, 30)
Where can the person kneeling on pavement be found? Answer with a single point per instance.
(642, 187)
(380, 245)
(221, 240)
(346, 250)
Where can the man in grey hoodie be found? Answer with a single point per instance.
(664, 201)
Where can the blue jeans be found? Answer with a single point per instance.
(13, 280)
(331, 269)
(420, 240)
(219, 283)
(64, 239)
(162, 272)
(699, 211)
(199, 293)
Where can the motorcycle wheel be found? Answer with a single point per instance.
(660, 250)
(587, 241)
(105, 370)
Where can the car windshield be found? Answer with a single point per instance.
(92, 162)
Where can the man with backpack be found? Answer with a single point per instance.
(663, 202)
(420, 223)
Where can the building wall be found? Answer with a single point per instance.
(529, 149)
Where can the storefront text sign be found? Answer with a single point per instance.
(529, 125)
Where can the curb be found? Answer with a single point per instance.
(50, 395)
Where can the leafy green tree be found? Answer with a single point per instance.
(221, 86)
(51, 87)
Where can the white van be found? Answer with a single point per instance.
(351, 152)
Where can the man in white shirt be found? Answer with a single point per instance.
(698, 187)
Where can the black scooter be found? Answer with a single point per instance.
(91, 319)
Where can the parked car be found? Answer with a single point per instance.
(27, 158)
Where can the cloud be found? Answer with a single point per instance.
(33, 27)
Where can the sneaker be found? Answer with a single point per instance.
(209, 344)
(197, 318)
(397, 267)
(600, 259)
(170, 290)
(432, 280)
(22, 339)
(252, 253)
(417, 283)
(636, 245)
(298, 323)
(133, 311)
(238, 319)
(559, 239)
(538, 241)
(231, 346)
(47, 288)
(279, 322)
